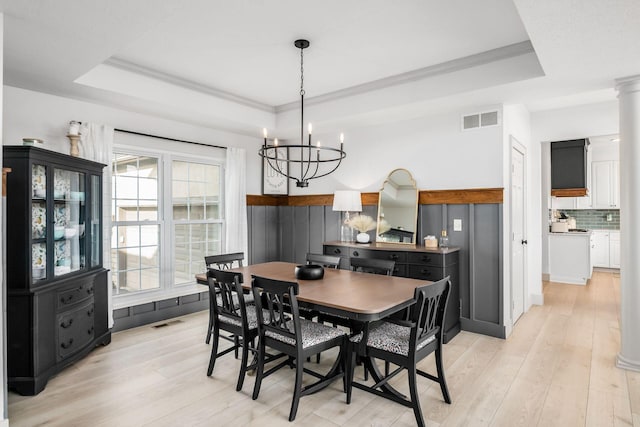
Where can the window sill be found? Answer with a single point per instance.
(123, 301)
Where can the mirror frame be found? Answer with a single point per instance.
(415, 207)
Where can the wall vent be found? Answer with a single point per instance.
(480, 120)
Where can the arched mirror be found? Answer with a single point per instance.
(398, 208)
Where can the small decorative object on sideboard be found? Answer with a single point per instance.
(430, 242)
(444, 239)
(74, 128)
(362, 223)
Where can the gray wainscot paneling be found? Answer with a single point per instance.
(302, 229)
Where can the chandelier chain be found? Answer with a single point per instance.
(301, 72)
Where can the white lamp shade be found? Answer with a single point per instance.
(347, 200)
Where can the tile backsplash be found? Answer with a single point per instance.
(595, 219)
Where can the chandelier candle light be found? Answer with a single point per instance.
(302, 154)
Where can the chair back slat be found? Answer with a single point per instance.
(327, 261)
(427, 314)
(374, 266)
(278, 299)
(226, 290)
(224, 261)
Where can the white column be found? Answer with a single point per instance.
(629, 103)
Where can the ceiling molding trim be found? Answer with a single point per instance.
(187, 84)
(501, 53)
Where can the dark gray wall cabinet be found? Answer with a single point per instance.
(569, 164)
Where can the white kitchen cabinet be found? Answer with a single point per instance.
(600, 252)
(614, 249)
(606, 249)
(562, 203)
(570, 257)
(605, 184)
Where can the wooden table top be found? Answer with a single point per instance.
(360, 296)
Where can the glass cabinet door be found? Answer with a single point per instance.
(38, 222)
(69, 221)
(96, 221)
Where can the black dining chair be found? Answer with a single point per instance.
(285, 331)
(229, 313)
(405, 343)
(223, 262)
(373, 266)
(327, 261)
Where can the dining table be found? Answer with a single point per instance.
(361, 297)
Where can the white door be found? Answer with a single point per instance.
(518, 224)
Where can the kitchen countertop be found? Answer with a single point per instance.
(573, 233)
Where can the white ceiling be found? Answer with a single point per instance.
(233, 64)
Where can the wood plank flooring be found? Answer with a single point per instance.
(557, 369)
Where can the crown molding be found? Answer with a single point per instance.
(489, 56)
(187, 84)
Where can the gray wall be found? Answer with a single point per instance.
(287, 233)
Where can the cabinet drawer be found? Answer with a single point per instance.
(336, 250)
(426, 258)
(75, 330)
(425, 272)
(72, 295)
(397, 256)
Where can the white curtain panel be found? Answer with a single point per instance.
(96, 143)
(235, 210)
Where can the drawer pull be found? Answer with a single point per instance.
(90, 331)
(337, 251)
(90, 290)
(426, 258)
(426, 272)
(67, 344)
(67, 299)
(66, 325)
(393, 257)
(355, 253)
(90, 312)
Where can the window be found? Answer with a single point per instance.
(166, 216)
(196, 214)
(135, 237)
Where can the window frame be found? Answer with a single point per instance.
(166, 224)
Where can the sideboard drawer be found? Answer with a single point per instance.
(71, 295)
(397, 256)
(425, 272)
(336, 250)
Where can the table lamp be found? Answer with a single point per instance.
(346, 201)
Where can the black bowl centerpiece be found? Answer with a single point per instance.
(309, 272)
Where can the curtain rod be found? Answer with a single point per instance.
(168, 139)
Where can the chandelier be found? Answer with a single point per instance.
(312, 161)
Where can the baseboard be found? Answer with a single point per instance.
(482, 327)
(624, 363)
(568, 280)
(144, 314)
(536, 299)
(4, 422)
(546, 276)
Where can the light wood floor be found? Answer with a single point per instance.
(557, 369)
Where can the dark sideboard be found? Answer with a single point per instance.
(416, 262)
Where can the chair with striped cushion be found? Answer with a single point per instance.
(405, 343)
(282, 329)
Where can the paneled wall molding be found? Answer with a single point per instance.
(426, 197)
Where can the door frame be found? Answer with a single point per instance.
(518, 146)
